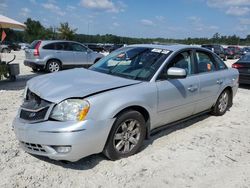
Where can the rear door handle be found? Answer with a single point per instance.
(192, 88)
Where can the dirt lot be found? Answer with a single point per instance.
(205, 152)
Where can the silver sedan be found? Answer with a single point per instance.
(118, 102)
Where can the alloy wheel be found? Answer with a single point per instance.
(54, 66)
(127, 136)
(223, 102)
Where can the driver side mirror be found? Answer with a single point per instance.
(176, 73)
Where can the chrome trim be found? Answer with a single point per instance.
(63, 131)
(31, 110)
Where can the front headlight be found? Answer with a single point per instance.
(71, 110)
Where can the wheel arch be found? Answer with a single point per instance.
(141, 110)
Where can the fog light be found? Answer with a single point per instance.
(62, 149)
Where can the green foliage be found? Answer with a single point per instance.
(35, 30)
(66, 32)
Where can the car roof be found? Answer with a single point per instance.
(48, 41)
(174, 47)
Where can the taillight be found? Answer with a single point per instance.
(237, 66)
(36, 50)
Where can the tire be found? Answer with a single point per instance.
(53, 66)
(222, 104)
(225, 58)
(126, 136)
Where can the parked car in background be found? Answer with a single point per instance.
(245, 50)
(4, 48)
(24, 45)
(54, 55)
(12, 45)
(236, 52)
(115, 47)
(95, 47)
(112, 107)
(243, 66)
(218, 49)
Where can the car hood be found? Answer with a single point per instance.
(55, 87)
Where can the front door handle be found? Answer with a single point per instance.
(192, 88)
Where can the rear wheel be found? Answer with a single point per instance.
(126, 136)
(222, 103)
(53, 66)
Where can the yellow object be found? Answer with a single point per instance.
(83, 113)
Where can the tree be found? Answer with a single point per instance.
(66, 32)
(34, 30)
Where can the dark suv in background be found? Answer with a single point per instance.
(218, 49)
(236, 52)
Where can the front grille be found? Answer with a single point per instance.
(33, 116)
(33, 147)
(34, 108)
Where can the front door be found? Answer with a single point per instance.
(80, 54)
(176, 97)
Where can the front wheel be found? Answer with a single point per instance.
(222, 104)
(126, 136)
(53, 66)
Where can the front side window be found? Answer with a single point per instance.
(182, 60)
(205, 62)
(138, 63)
(78, 47)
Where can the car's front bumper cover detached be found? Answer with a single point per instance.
(57, 140)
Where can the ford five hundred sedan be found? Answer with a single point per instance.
(116, 104)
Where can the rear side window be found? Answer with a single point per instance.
(205, 62)
(220, 63)
(49, 46)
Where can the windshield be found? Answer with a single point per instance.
(138, 63)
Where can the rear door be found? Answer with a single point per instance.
(211, 79)
(64, 53)
(176, 97)
(80, 53)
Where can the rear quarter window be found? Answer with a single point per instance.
(49, 46)
(33, 44)
(220, 64)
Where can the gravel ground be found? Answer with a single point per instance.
(205, 152)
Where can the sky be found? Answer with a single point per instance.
(138, 18)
